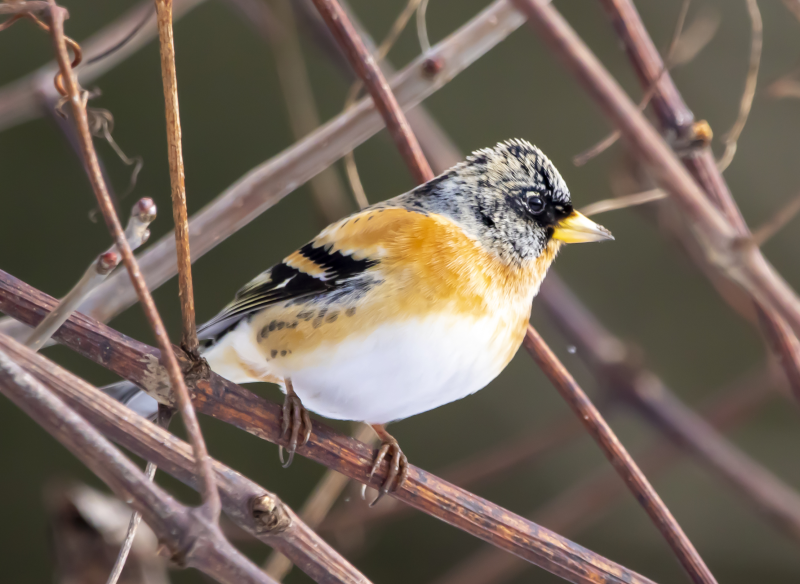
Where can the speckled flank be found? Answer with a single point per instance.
(428, 265)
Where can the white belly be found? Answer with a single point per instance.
(394, 372)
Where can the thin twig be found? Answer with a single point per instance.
(177, 177)
(381, 52)
(243, 409)
(422, 27)
(372, 77)
(778, 222)
(317, 506)
(136, 233)
(608, 141)
(190, 538)
(210, 495)
(130, 534)
(617, 203)
(756, 44)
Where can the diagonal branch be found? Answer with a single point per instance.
(620, 374)
(584, 504)
(257, 511)
(230, 403)
(210, 495)
(362, 62)
(191, 539)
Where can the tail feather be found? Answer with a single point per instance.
(130, 395)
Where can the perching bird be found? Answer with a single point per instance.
(406, 305)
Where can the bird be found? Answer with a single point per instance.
(407, 304)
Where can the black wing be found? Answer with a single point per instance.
(283, 282)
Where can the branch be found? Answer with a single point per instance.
(210, 495)
(493, 463)
(676, 119)
(136, 233)
(230, 403)
(259, 512)
(584, 504)
(623, 463)
(612, 365)
(190, 538)
(176, 175)
(362, 62)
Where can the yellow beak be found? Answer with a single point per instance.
(576, 228)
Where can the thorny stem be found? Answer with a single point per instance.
(210, 495)
(176, 175)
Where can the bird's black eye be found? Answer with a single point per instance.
(535, 204)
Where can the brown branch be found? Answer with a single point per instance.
(623, 375)
(257, 511)
(318, 505)
(583, 505)
(676, 119)
(778, 222)
(210, 494)
(491, 464)
(191, 539)
(176, 175)
(230, 403)
(361, 60)
(623, 463)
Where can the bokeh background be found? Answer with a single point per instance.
(641, 286)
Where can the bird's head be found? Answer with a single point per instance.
(512, 199)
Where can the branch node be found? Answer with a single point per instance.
(270, 515)
(432, 66)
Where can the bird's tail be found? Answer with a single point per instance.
(130, 395)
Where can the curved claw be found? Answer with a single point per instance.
(398, 469)
(295, 427)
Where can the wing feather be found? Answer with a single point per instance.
(313, 270)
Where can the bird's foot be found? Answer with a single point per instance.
(296, 428)
(398, 464)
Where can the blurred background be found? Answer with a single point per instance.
(641, 286)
